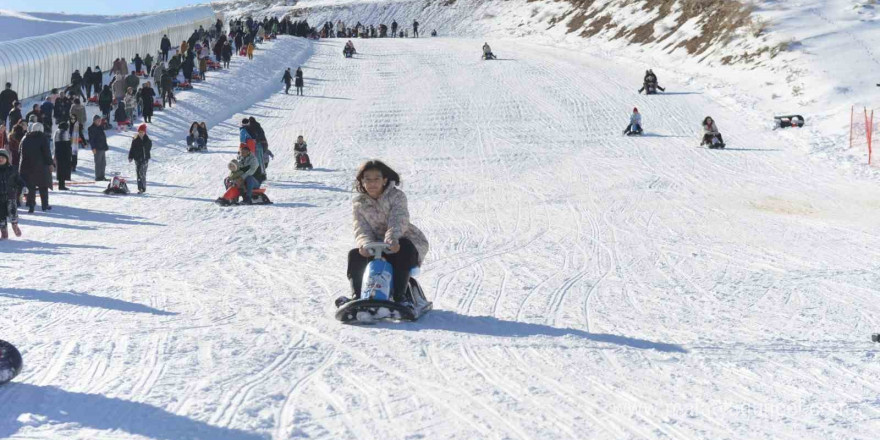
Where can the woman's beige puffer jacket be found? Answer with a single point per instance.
(386, 218)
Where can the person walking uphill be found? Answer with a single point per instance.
(287, 79)
(380, 213)
(140, 155)
(36, 166)
(98, 142)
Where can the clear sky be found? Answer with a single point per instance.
(99, 7)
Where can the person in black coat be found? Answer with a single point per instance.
(8, 97)
(167, 89)
(36, 165)
(286, 80)
(138, 63)
(227, 54)
(188, 66)
(14, 115)
(165, 46)
(11, 184)
(76, 84)
(97, 79)
(148, 95)
(299, 81)
(63, 154)
(140, 155)
(105, 102)
(98, 143)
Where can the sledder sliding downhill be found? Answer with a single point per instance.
(635, 124)
(650, 84)
(711, 136)
(389, 250)
(349, 51)
(487, 52)
(375, 301)
(244, 179)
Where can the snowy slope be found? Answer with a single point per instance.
(809, 57)
(586, 285)
(15, 25)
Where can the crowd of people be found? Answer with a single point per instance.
(358, 30)
(47, 139)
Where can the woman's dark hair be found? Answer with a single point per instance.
(706, 121)
(387, 172)
(194, 124)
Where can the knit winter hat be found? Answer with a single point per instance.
(233, 165)
(635, 109)
(142, 127)
(6, 154)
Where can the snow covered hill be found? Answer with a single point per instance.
(809, 57)
(15, 25)
(586, 284)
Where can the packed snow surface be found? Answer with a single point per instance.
(585, 284)
(15, 25)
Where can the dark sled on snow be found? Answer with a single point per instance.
(10, 362)
(712, 142)
(370, 311)
(789, 121)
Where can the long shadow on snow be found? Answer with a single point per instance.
(27, 221)
(652, 135)
(81, 299)
(747, 149)
(307, 185)
(292, 205)
(104, 413)
(491, 326)
(327, 97)
(90, 215)
(38, 247)
(680, 93)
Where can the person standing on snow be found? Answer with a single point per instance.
(138, 63)
(394, 28)
(11, 184)
(8, 97)
(63, 154)
(299, 81)
(98, 143)
(415, 29)
(165, 46)
(148, 95)
(140, 155)
(287, 80)
(36, 166)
